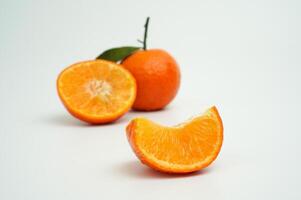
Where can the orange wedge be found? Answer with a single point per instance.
(96, 91)
(187, 147)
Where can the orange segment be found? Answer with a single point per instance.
(96, 91)
(184, 148)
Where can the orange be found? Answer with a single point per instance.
(96, 91)
(187, 147)
(157, 75)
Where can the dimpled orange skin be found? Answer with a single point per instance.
(158, 78)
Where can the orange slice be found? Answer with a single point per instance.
(187, 147)
(96, 91)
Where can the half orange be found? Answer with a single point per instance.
(187, 147)
(96, 91)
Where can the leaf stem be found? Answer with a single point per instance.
(145, 33)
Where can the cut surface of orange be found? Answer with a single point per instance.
(187, 147)
(96, 91)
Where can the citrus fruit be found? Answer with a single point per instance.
(187, 147)
(156, 72)
(96, 91)
(157, 75)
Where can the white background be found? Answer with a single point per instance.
(242, 56)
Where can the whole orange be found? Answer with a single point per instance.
(157, 75)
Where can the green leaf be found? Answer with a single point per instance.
(117, 54)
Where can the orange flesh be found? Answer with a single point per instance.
(185, 148)
(96, 91)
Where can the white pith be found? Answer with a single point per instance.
(99, 88)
